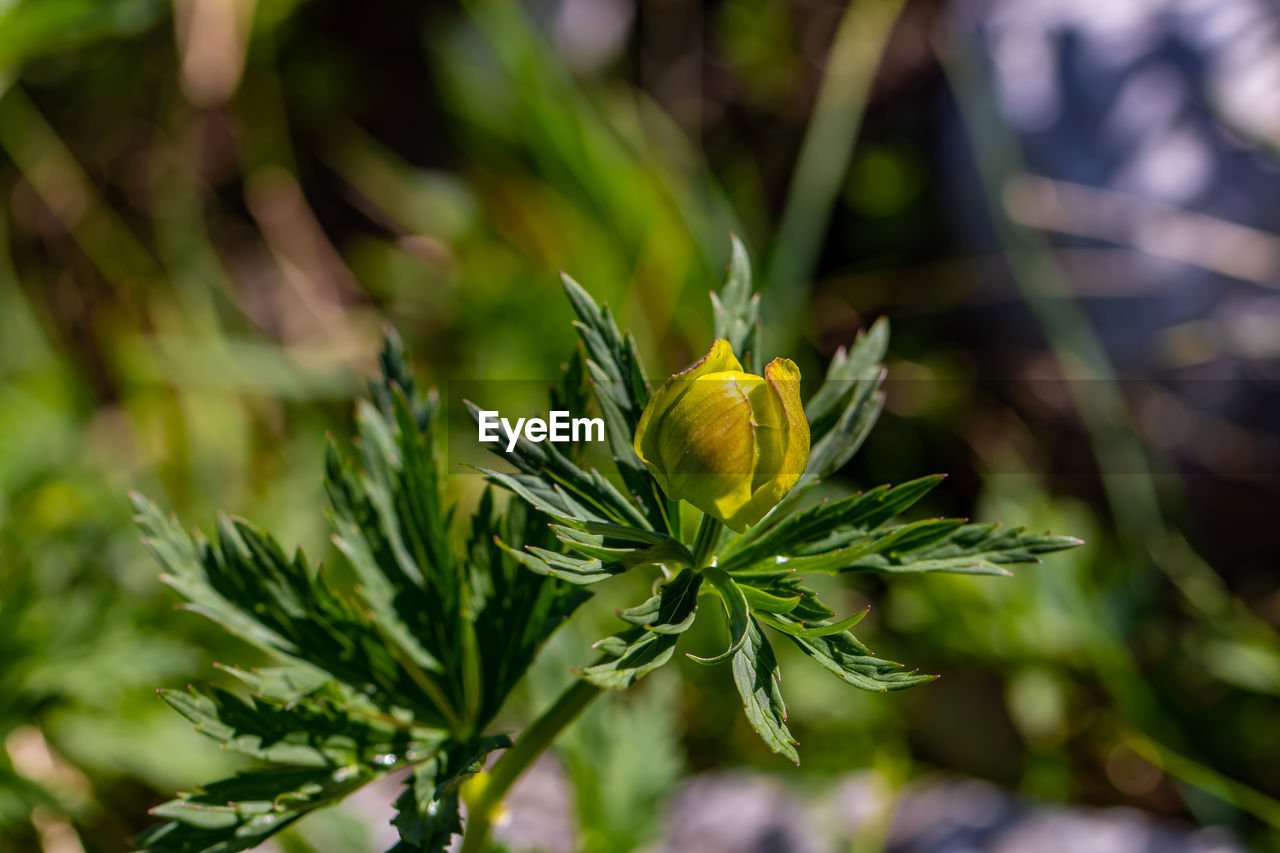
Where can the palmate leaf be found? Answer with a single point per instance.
(841, 415)
(755, 574)
(849, 375)
(244, 582)
(970, 549)
(407, 669)
(848, 403)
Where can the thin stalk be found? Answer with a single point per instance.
(515, 761)
(542, 733)
(704, 544)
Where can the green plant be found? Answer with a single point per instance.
(409, 669)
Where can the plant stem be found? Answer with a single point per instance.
(704, 544)
(532, 743)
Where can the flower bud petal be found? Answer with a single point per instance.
(782, 441)
(727, 441)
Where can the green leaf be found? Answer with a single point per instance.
(828, 525)
(842, 654)
(305, 734)
(595, 560)
(565, 567)
(515, 611)
(665, 550)
(658, 622)
(764, 601)
(425, 822)
(671, 610)
(427, 812)
(621, 391)
(630, 655)
(550, 467)
(887, 546)
(285, 685)
(245, 582)
(246, 809)
(975, 549)
(426, 655)
(396, 372)
(756, 675)
(801, 602)
(737, 610)
(848, 377)
(736, 310)
(545, 496)
(811, 630)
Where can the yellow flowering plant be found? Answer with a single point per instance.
(409, 669)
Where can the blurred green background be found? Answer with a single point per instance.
(210, 207)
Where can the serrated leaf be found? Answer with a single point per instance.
(545, 497)
(621, 391)
(811, 629)
(245, 582)
(427, 810)
(736, 309)
(889, 545)
(975, 549)
(435, 646)
(671, 610)
(566, 567)
(849, 375)
(515, 610)
(843, 655)
(631, 654)
(305, 734)
(244, 810)
(828, 525)
(589, 488)
(802, 602)
(658, 622)
(285, 685)
(666, 551)
(756, 675)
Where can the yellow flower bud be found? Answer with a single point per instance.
(729, 442)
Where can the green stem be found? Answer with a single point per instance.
(704, 544)
(543, 731)
(515, 761)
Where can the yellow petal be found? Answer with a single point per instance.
(719, 359)
(782, 438)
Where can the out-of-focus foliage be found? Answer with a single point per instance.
(209, 207)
